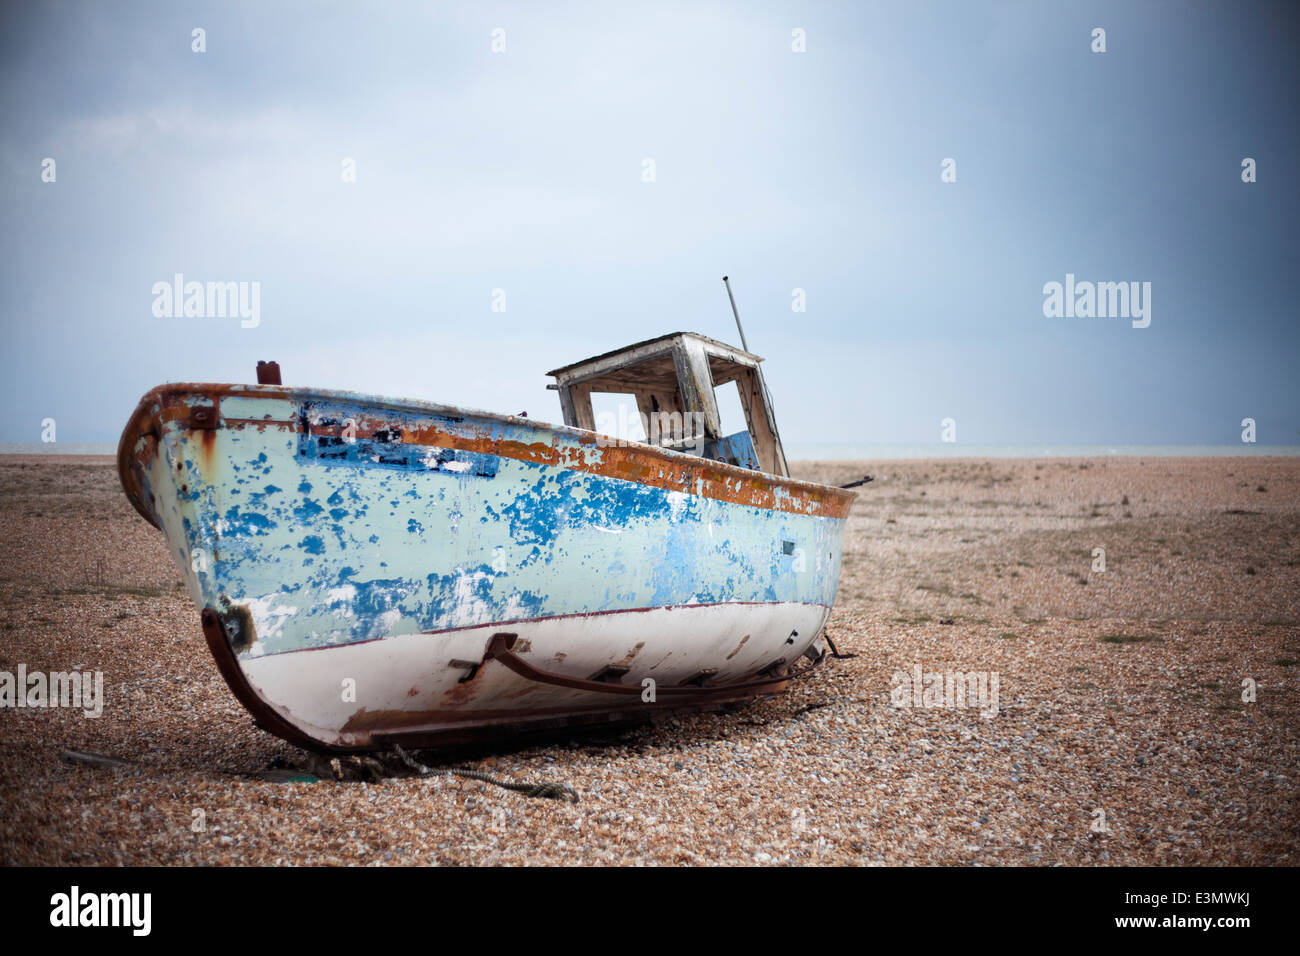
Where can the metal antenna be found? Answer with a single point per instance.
(762, 383)
(736, 312)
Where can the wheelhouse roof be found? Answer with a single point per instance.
(627, 365)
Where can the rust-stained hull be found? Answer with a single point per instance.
(374, 571)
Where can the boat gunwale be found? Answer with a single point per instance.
(158, 395)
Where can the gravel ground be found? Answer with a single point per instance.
(1119, 735)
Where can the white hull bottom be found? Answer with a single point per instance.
(410, 686)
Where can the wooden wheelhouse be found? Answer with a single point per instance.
(673, 378)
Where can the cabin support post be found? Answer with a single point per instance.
(762, 426)
(566, 406)
(696, 384)
(581, 397)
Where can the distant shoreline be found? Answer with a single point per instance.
(902, 452)
(813, 451)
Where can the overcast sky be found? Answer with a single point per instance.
(525, 171)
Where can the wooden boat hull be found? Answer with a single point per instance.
(372, 571)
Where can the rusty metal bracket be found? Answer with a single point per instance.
(470, 668)
(835, 651)
(203, 417)
(500, 646)
(701, 678)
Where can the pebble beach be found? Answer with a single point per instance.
(1138, 617)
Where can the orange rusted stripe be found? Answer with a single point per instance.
(642, 464)
(637, 463)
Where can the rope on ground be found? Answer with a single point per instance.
(550, 791)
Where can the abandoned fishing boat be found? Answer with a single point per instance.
(372, 571)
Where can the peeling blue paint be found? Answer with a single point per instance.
(459, 538)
